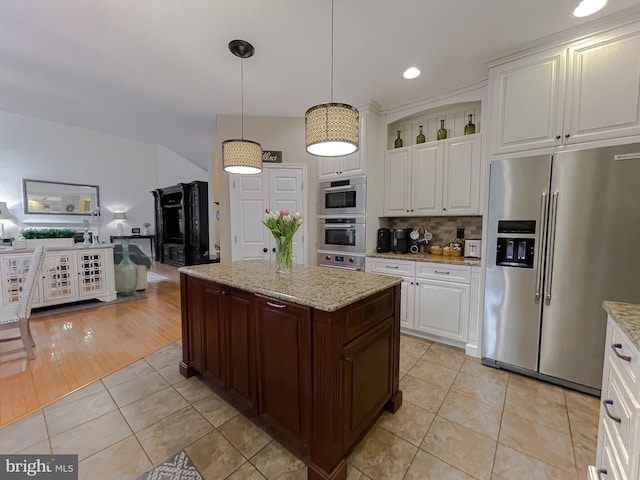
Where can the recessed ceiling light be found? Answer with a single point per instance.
(589, 7)
(412, 72)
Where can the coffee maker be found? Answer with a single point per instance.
(400, 240)
(384, 240)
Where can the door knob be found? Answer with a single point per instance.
(265, 249)
(274, 249)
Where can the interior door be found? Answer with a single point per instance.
(250, 237)
(285, 193)
(275, 188)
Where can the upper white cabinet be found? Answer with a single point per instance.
(435, 178)
(576, 92)
(354, 164)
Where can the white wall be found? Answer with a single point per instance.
(125, 170)
(172, 169)
(273, 133)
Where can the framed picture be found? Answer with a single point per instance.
(135, 231)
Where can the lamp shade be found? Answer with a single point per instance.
(4, 211)
(241, 156)
(119, 216)
(331, 129)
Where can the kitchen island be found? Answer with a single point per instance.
(312, 355)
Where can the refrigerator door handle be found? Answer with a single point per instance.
(552, 241)
(544, 208)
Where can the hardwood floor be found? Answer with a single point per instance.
(75, 349)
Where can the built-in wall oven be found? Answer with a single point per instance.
(345, 196)
(342, 234)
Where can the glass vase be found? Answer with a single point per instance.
(126, 272)
(284, 255)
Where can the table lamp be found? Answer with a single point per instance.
(120, 217)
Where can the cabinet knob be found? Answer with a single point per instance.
(265, 249)
(567, 135)
(274, 249)
(558, 137)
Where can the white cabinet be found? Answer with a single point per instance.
(619, 424)
(435, 178)
(330, 167)
(461, 192)
(576, 92)
(348, 165)
(67, 276)
(435, 299)
(442, 298)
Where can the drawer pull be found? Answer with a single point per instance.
(601, 471)
(606, 404)
(615, 348)
(442, 273)
(276, 305)
(392, 266)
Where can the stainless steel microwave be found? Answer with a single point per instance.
(345, 196)
(342, 234)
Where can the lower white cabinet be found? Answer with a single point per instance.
(435, 300)
(618, 451)
(68, 275)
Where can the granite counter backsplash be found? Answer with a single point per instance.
(323, 288)
(627, 317)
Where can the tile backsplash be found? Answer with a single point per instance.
(443, 229)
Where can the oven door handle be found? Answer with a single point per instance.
(336, 227)
(343, 268)
(344, 188)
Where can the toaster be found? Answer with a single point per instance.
(472, 248)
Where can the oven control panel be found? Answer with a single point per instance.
(341, 260)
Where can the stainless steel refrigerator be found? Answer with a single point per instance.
(563, 235)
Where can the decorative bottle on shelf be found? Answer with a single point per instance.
(398, 142)
(470, 128)
(442, 133)
(126, 272)
(420, 138)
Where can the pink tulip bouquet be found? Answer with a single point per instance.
(283, 227)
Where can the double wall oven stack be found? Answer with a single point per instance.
(341, 223)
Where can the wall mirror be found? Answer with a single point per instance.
(58, 198)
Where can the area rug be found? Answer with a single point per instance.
(85, 305)
(176, 467)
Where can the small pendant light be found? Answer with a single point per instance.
(331, 129)
(241, 156)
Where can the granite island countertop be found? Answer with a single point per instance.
(627, 317)
(427, 257)
(327, 289)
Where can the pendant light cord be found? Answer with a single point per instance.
(241, 98)
(331, 51)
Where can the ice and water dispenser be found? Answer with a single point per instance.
(516, 243)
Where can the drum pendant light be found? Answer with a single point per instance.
(331, 129)
(241, 156)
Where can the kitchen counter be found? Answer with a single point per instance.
(312, 356)
(322, 288)
(427, 257)
(627, 317)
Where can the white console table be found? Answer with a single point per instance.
(69, 274)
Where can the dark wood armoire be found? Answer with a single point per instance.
(182, 224)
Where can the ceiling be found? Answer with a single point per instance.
(159, 71)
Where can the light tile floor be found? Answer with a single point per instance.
(460, 420)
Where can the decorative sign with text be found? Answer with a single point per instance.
(272, 156)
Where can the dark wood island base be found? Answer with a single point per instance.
(316, 379)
